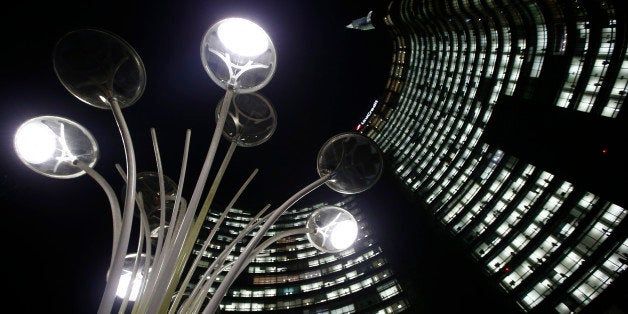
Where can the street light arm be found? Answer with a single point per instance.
(207, 279)
(179, 203)
(178, 199)
(113, 201)
(199, 299)
(131, 284)
(113, 279)
(163, 283)
(210, 237)
(162, 197)
(272, 240)
(144, 227)
(232, 274)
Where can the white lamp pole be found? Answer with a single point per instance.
(104, 71)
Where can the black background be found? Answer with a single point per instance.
(57, 233)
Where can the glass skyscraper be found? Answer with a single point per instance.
(506, 121)
(292, 276)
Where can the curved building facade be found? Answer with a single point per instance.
(506, 120)
(291, 276)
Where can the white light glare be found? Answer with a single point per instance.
(243, 37)
(123, 285)
(35, 142)
(343, 234)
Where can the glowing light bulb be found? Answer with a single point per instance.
(243, 37)
(343, 234)
(123, 286)
(35, 142)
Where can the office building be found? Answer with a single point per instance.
(506, 120)
(293, 276)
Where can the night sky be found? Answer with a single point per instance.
(57, 233)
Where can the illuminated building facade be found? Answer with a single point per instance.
(291, 276)
(506, 120)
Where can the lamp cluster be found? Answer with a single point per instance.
(104, 71)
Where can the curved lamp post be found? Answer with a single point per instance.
(104, 71)
(328, 222)
(240, 57)
(349, 162)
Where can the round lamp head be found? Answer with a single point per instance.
(355, 160)
(335, 229)
(251, 120)
(148, 188)
(97, 67)
(50, 145)
(242, 37)
(237, 54)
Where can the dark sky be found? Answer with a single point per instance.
(58, 232)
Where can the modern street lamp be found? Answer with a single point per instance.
(104, 71)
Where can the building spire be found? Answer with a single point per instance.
(363, 23)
